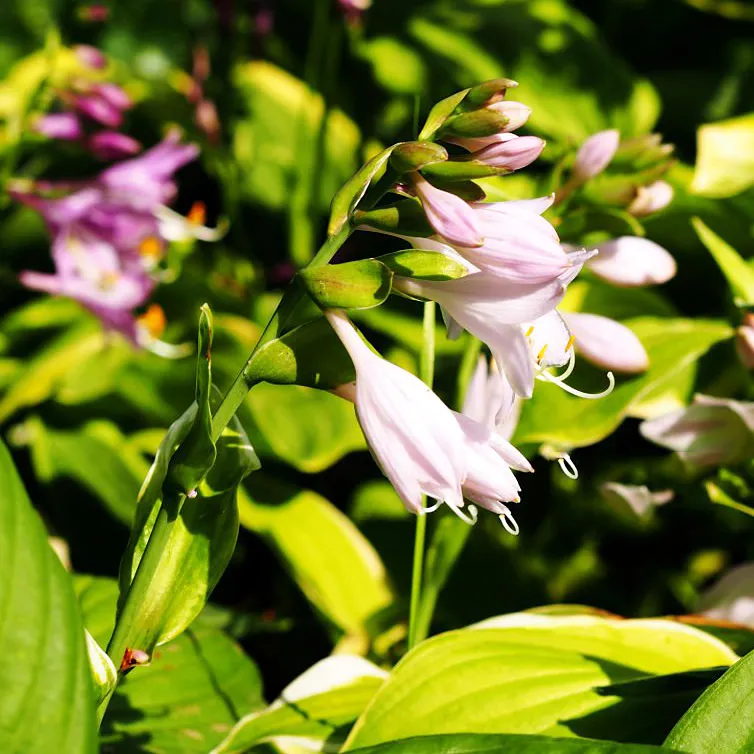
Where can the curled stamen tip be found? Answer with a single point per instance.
(570, 343)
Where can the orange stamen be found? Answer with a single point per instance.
(153, 320)
(150, 247)
(197, 214)
(541, 354)
(570, 342)
(530, 331)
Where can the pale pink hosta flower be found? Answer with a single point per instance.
(414, 437)
(639, 499)
(745, 341)
(500, 312)
(447, 213)
(652, 198)
(709, 432)
(519, 245)
(595, 154)
(606, 343)
(65, 126)
(631, 261)
(490, 399)
(731, 598)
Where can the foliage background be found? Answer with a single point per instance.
(81, 414)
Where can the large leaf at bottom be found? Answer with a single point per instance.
(46, 702)
(722, 719)
(537, 674)
(470, 743)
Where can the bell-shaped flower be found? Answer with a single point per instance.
(595, 154)
(415, 439)
(631, 261)
(64, 126)
(709, 432)
(606, 343)
(113, 145)
(490, 399)
(175, 227)
(652, 198)
(731, 598)
(447, 213)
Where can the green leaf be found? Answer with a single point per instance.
(564, 421)
(309, 355)
(275, 140)
(186, 699)
(47, 369)
(352, 285)
(470, 743)
(526, 673)
(331, 561)
(424, 265)
(309, 429)
(725, 157)
(96, 455)
(721, 720)
(47, 702)
(318, 707)
(738, 273)
(440, 113)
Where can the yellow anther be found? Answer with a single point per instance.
(197, 214)
(570, 342)
(541, 354)
(530, 331)
(108, 280)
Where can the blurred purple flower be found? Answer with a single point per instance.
(99, 109)
(91, 57)
(65, 126)
(113, 145)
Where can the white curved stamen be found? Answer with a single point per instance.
(470, 519)
(579, 393)
(509, 523)
(429, 508)
(568, 467)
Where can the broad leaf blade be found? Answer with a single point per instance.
(47, 702)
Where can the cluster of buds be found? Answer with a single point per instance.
(509, 273)
(205, 111)
(110, 234)
(91, 111)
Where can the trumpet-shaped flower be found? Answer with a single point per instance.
(113, 145)
(709, 432)
(447, 213)
(414, 437)
(631, 261)
(509, 152)
(607, 343)
(65, 126)
(595, 154)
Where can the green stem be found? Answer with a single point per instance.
(128, 632)
(427, 373)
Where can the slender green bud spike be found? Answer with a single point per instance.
(353, 285)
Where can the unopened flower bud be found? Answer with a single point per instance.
(631, 261)
(91, 57)
(511, 153)
(207, 120)
(65, 126)
(606, 343)
(113, 95)
(414, 155)
(745, 341)
(113, 145)
(95, 13)
(475, 124)
(488, 92)
(651, 198)
(595, 154)
(516, 112)
(99, 109)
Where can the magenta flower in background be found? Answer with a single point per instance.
(91, 57)
(64, 126)
(113, 145)
(98, 109)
